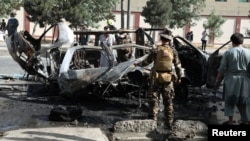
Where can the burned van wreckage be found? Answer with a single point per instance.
(72, 68)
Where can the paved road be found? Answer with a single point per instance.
(8, 66)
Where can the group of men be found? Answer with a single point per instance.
(11, 25)
(234, 69)
(108, 40)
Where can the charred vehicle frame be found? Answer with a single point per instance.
(73, 68)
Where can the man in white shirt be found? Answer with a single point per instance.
(107, 40)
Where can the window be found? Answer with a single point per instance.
(243, 0)
(221, 0)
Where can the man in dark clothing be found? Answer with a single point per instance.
(190, 36)
(12, 24)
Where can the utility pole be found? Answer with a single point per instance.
(122, 15)
(128, 14)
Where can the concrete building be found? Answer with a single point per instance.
(235, 13)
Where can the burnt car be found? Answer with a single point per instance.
(68, 68)
(195, 65)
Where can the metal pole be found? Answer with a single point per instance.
(128, 14)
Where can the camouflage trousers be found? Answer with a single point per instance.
(166, 90)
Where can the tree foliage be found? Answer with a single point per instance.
(213, 24)
(74, 11)
(185, 11)
(7, 6)
(174, 13)
(41, 12)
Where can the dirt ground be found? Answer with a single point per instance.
(29, 106)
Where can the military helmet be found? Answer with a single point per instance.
(167, 34)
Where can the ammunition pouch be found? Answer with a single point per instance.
(163, 77)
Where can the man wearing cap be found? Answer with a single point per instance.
(163, 77)
(12, 24)
(110, 24)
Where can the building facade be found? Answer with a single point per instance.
(235, 13)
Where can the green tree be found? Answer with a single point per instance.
(213, 24)
(157, 12)
(185, 12)
(174, 13)
(74, 11)
(6, 6)
(41, 12)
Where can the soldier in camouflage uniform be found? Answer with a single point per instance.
(165, 89)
